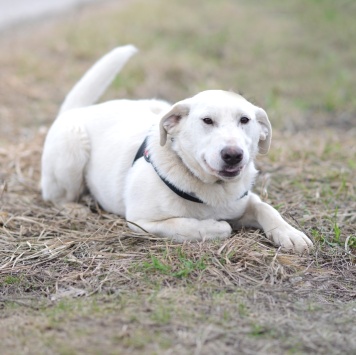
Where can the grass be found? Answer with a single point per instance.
(184, 268)
(72, 286)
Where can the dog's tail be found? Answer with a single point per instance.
(94, 82)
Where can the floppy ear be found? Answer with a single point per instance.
(266, 131)
(171, 119)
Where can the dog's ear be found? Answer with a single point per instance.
(265, 131)
(171, 119)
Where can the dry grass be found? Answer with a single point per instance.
(80, 286)
(140, 293)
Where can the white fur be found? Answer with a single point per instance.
(94, 146)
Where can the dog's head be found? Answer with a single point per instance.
(216, 133)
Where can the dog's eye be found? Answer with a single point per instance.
(244, 120)
(208, 120)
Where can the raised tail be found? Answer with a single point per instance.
(94, 82)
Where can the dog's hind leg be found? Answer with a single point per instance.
(64, 160)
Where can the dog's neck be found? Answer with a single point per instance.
(213, 192)
(143, 152)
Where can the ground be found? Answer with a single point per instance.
(73, 286)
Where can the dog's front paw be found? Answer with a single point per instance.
(207, 229)
(216, 230)
(290, 238)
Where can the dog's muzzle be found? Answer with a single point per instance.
(232, 157)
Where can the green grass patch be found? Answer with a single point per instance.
(179, 265)
(11, 280)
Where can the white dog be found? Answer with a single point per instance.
(184, 171)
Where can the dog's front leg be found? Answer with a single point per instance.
(184, 229)
(261, 215)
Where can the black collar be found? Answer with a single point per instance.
(143, 152)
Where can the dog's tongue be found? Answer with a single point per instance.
(232, 169)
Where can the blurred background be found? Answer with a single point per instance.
(18, 12)
(295, 58)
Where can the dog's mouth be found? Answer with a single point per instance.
(231, 171)
(228, 171)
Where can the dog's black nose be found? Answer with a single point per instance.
(232, 155)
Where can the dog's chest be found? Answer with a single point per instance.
(229, 209)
